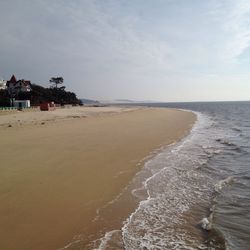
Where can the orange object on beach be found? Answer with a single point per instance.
(47, 106)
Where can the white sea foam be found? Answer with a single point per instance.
(177, 184)
(222, 183)
(76, 240)
(206, 224)
(107, 239)
(173, 188)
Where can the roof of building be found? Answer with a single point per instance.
(14, 81)
(27, 82)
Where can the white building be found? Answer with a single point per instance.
(20, 104)
(2, 84)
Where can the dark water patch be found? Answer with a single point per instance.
(237, 129)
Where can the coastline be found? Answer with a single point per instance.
(58, 174)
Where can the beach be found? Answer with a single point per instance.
(58, 168)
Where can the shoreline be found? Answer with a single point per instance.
(62, 193)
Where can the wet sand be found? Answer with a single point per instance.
(57, 172)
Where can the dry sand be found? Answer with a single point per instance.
(36, 117)
(56, 174)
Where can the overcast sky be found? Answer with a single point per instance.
(162, 50)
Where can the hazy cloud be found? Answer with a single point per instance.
(162, 50)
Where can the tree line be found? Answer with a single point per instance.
(39, 94)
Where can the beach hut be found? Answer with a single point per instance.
(20, 104)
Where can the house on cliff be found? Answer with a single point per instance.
(14, 86)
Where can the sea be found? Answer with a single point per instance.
(193, 194)
(198, 196)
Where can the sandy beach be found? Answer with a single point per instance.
(58, 168)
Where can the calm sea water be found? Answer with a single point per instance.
(194, 194)
(198, 195)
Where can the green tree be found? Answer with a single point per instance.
(4, 98)
(55, 81)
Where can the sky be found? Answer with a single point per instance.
(159, 50)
